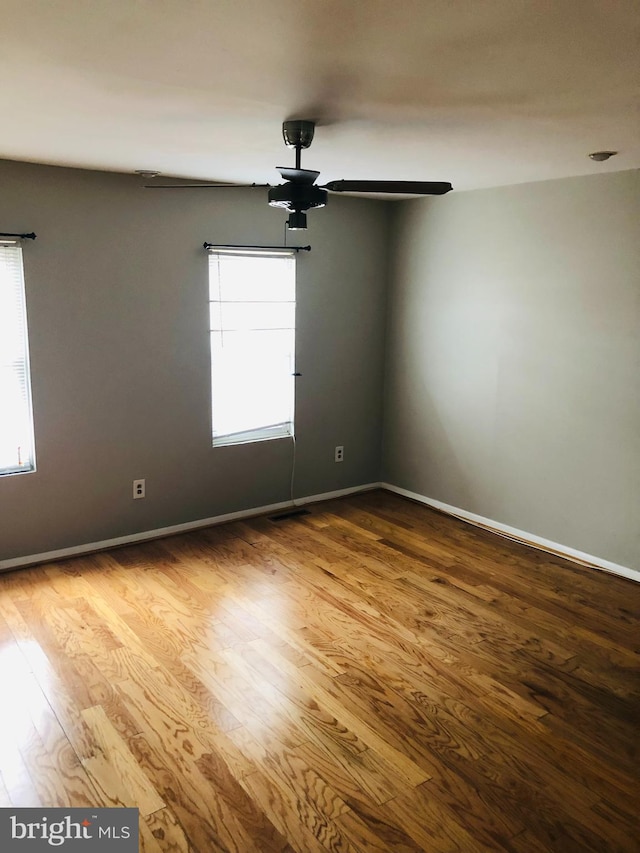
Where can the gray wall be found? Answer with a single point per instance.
(117, 310)
(513, 377)
(512, 382)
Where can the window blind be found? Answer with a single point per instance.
(16, 424)
(252, 327)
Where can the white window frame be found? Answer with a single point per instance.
(16, 411)
(221, 307)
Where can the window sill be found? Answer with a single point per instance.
(14, 472)
(252, 438)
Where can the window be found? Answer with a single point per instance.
(16, 425)
(252, 311)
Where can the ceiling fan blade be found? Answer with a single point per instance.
(200, 186)
(399, 187)
(304, 177)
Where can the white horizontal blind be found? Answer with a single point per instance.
(252, 323)
(16, 425)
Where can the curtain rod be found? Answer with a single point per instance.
(31, 236)
(232, 246)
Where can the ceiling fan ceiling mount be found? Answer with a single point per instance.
(298, 133)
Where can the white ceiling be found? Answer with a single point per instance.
(477, 92)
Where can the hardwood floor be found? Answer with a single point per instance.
(370, 676)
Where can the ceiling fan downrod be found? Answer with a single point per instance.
(298, 134)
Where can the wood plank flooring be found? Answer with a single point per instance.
(370, 676)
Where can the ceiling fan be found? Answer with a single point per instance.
(299, 191)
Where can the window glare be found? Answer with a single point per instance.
(258, 279)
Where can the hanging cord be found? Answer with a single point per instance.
(293, 470)
(293, 436)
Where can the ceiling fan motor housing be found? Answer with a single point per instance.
(297, 196)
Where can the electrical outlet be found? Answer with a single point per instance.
(138, 489)
(339, 454)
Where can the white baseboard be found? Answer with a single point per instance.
(521, 535)
(478, 520)
(327, 496)
(161, 532)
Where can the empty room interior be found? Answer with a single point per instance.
(320, 481)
